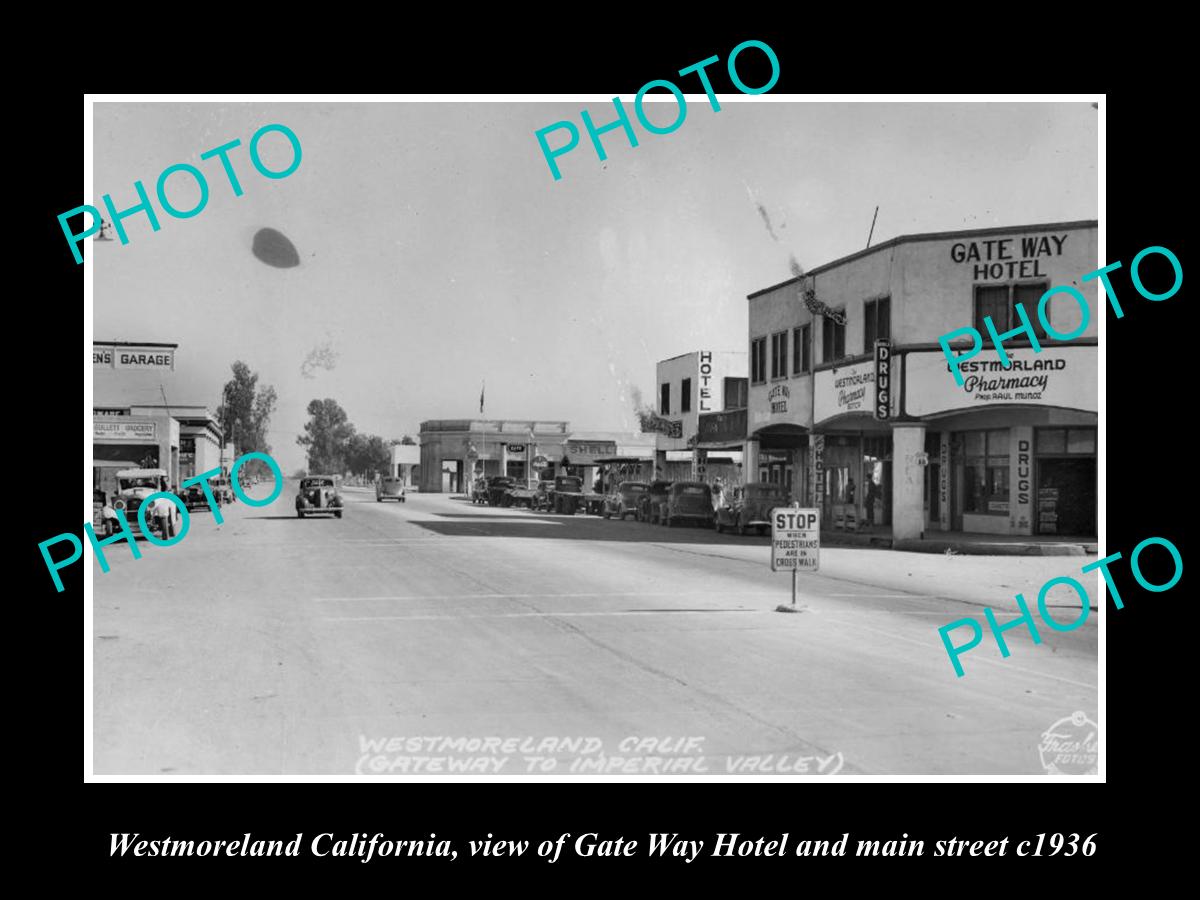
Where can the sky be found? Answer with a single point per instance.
(438, 252)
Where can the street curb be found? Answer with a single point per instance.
(998, 548)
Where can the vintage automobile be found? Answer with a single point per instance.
(133, 487)
(497, 487)
(318, 495)
(104, 520)
(520, 495)
(566, 497)
(688, 501)
(752, 509)
(389, 488)
(623, 501)
(193, 496)
(222, 489)
(651, 504)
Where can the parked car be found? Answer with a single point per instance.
(104, 520)
(652, 502)
(497, 487)
(390, 488)
(520, 495)
(222, 489)
(133, 487)
(688, 501)
(318, 495)
(623, 501)
(193, 496)
(752, 509)
(567, 496)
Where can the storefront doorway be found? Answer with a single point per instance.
(1065, 481)
(1066, 496)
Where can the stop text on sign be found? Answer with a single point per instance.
(145, 206)
(795, 539)
(622, 121)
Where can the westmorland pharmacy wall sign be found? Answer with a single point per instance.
(134, 356)
(1057, 376)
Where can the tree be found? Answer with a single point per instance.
(408, 441)
(646, 415)
(326, 437)
(367, 454)
(245, 411)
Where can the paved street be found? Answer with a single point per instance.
(272, 645)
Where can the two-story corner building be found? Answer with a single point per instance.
(887, 439)
(691, 385)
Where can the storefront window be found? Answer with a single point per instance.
(986, 474)
(1052, 441)
(1081, 440)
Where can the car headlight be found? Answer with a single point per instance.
(119, 504)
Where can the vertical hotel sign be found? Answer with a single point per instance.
(134, 356)
(883, 380)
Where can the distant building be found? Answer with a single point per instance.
(406, 463)
(134, 427)
(690, 386)
(456, 450)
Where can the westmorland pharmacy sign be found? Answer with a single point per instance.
(134, 356)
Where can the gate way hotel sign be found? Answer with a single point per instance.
(1057, 376)
(795, 539)
(134, 356)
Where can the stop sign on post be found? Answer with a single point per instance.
(795, 539)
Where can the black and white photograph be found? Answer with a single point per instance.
(682, 436)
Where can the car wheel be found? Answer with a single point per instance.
(299, 514)
(338, 514)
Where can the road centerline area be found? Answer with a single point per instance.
(282, 644)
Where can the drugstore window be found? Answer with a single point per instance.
(985, 471)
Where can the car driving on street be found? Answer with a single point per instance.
(318, 495)
(389, 488)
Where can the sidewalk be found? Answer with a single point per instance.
(967, 543)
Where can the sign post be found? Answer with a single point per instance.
(795, 543)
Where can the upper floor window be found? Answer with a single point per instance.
(737, 392)
(833, 340)
(758, 360)
(664, 406)
(877, 322)
(1000, 300)
(802, 349)
(779, 354)
(685, 395)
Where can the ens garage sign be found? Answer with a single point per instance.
(134, 356)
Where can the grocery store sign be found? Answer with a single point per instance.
(1065, 377)
(142, 431)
